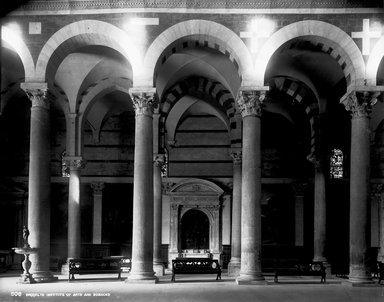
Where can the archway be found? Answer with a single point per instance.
(194, 231)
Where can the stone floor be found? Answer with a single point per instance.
(186, 288)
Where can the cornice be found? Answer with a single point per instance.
(98, 6)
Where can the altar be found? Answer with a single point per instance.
(195, 220)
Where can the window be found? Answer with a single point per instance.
(336, 164)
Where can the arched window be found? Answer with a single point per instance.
(64, 167)
(336, 164)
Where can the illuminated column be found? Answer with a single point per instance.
(158, 265)
(75, 164)
(142, 232)
(97, 212)
(39, 222)
(359, 103)
(320, 212)
(234, 264)
(250, 103)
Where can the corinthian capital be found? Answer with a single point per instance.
(144, 100)
(236, 156)
(74, 162)
(250, 102)
(37, 94)
(360, 102)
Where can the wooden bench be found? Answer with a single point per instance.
(297, 269)
(196, 266)
(82, 266)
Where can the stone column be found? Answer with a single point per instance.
(250, 103)
(234, 264)
(97, 212)
(142, 232)
(158, 265)
(359, 103)
(320, 212)
(377, 193)
(75, 164)
(39, 222)
(299, 190)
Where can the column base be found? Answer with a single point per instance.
(359, 275)
(26, 279)
(142, 278)
(158, 268)
(251, 279)
(234, 268)
(44, 277)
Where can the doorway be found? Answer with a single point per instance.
(194, 231)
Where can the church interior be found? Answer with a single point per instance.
(244, 131)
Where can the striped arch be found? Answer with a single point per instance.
(209, 87)
(327, 37)
(374, 60)
(203, 33)
(83, 33)
(302, 94)
(14, 42)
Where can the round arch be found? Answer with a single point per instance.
(215, 34)
(14, 41)
(344, 49)
(374, 62)
(85, 32)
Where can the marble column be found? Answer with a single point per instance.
(158, 265)
(320, 212)
(142, 232)
(250, 104)
(299, 190)
(97, 212)
(39, 181)
(234, 264)
(377, 193)
(75, 164)
(359, 103)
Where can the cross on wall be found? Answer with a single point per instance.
(259, 29)
(366, 35)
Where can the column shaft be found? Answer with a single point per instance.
(97, 212)
(320, 216)
(234, 264)
(74, 214)
(380, 256)
(359, 199)
(158, 207)
(39, 183)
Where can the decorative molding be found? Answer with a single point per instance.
(251, 102)
(144, 101)
(58, 5)
(360, 103)
(167, 186)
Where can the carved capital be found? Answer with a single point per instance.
(97, 188)
(158, 160)
(37, 94)
(360, 103)
(250, 102)
(144, 101)
(299, 188)
(74, 162)
(315, 161)
(377, 190)
(236, 156)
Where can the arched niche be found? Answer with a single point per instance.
(201, 195)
